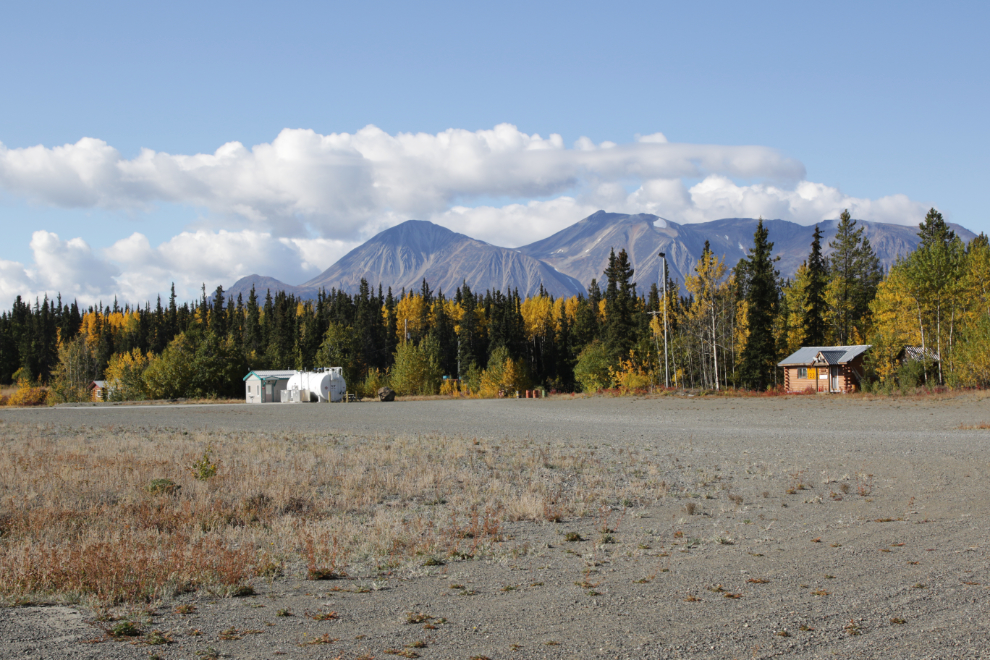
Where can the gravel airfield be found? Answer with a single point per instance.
(801, 526)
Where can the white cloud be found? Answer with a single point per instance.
(291, 207)
(135, 271)
(718, 196)
(336, 186)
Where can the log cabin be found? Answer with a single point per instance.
(824, 369)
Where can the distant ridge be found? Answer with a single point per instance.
(582, 249)
(401, 257)
(566, 262)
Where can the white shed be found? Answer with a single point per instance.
(265, 386)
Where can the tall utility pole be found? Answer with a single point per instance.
(663, 274)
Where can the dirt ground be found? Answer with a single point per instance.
(806, 526)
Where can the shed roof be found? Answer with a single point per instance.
(831, 354)
(914, 353)
(270, 374)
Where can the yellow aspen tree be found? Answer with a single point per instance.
(895, 322)
(708, 286)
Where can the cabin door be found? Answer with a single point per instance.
(834, 379)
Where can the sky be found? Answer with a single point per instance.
(143, 144)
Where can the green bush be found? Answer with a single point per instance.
(171, 374)
(373, 380)
(592, 368)
(73, 373)
(417, 369)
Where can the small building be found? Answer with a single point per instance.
(824, 369)
(98, 390)
(265, 386)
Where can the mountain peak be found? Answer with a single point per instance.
(414, 250)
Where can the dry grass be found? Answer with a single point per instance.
(80, 518)
(982, 426)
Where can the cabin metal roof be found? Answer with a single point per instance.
(270, 374)
(807, 355)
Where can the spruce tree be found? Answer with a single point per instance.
(442, 335)
(619, 323)
(252, 328)
(467, 336)
(855, 274)
(391, 326)
(934, 230)
(814, 304)
(762, 290)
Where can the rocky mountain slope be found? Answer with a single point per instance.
(582, 249)
(401, 257)
(566, 262)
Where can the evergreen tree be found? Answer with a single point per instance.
(218, 315)
(935, 272)
(391, 326)
(815, 309)
(619, 294)
(566, 356)
(934, 230)
(469, 341)
(855, 274)
(252, 328)
(444, 337)
(424, 315)
(762, 291)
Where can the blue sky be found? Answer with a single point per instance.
(877, 106)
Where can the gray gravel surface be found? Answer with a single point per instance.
(821, 527)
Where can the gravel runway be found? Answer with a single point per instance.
(803, 526)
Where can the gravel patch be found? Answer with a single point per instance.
(804, 527)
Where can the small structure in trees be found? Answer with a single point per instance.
(824, 369)
(322, 385)
(98, 390)
(266, 386)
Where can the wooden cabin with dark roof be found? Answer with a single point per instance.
(824, 369)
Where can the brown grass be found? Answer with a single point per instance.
(79, 519)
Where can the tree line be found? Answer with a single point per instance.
(725, 327)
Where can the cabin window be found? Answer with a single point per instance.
(802, 372)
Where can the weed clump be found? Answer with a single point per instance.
(417, 617)
(163, 487)
(125, 629)
(205, 468)
(242, 591)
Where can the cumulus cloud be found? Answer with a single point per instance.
(337, 186)
(291, 207)
(714, 197)
(135, 271)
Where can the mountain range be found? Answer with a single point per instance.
(566, 262)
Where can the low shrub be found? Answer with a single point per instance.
(163, 487)
(28, 396)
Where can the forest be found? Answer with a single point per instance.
(725, 327)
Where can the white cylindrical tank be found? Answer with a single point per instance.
(321, 385)
(312, 386)
(337, 385)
